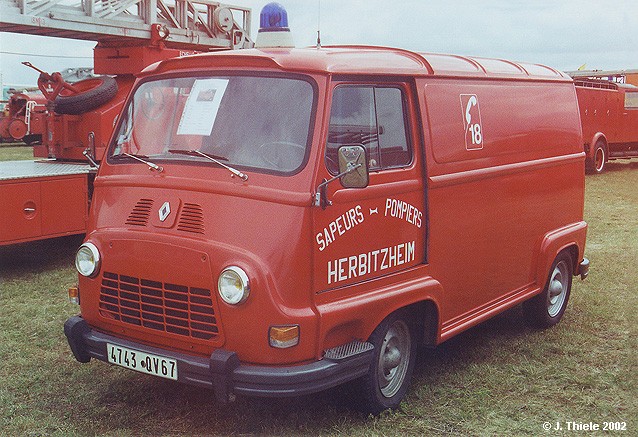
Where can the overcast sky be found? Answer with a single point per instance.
(564, 34)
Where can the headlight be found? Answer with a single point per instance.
(87, 260)
(233, 285)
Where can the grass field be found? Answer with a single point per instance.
(500, 378)
(14, 152)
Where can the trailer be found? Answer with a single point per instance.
(70, 124)
(609, 116)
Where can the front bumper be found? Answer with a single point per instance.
(223, 372)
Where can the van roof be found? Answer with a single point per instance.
(351, 59)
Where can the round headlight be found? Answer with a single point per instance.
(233, 285)
(87, 260)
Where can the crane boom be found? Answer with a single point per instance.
(189, 24)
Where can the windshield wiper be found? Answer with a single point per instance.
(140, 158)
(216, 159)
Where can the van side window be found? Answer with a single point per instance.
(373, 116)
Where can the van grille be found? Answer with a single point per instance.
(141, 212)
(191, 219)
(176, 309)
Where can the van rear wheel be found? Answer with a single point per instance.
(392, 364)
(547, 308)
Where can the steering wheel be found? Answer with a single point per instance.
(281, 155)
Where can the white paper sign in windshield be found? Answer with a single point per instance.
(201, 107)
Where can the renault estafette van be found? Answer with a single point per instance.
(277, 222)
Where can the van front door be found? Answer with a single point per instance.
(366, 233)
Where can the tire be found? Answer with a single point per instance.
(93, 92)
(547, 308)
(596, 165)
(392, 364)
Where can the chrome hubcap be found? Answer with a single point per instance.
(558, 284)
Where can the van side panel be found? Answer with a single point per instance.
(491, 207)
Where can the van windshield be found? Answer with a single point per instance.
(254, 122)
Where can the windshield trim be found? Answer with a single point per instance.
(203, 74)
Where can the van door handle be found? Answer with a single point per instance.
(28, 210)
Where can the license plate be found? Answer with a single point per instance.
(142, 362)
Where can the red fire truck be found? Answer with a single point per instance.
(279, 221)
(609, 117)
(69, 125)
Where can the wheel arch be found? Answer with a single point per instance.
(570, 238)
(425, 315)
(359, 316)
(598, 136)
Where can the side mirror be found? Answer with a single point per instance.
(353, 172)
(353, 166)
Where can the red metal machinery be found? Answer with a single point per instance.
(69, 125)
(609, 116)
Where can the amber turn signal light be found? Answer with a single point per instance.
(284, 336)
(74, 295)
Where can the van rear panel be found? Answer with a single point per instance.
(491, 203)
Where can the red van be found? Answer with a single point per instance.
(277, 222)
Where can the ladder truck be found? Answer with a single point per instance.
(69, 124)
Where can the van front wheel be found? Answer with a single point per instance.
(387, 382)
(546, 309)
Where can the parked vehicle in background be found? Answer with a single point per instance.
(69, 123)
(277, 221)
(609, 117)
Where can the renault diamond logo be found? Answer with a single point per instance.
(164, 211)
